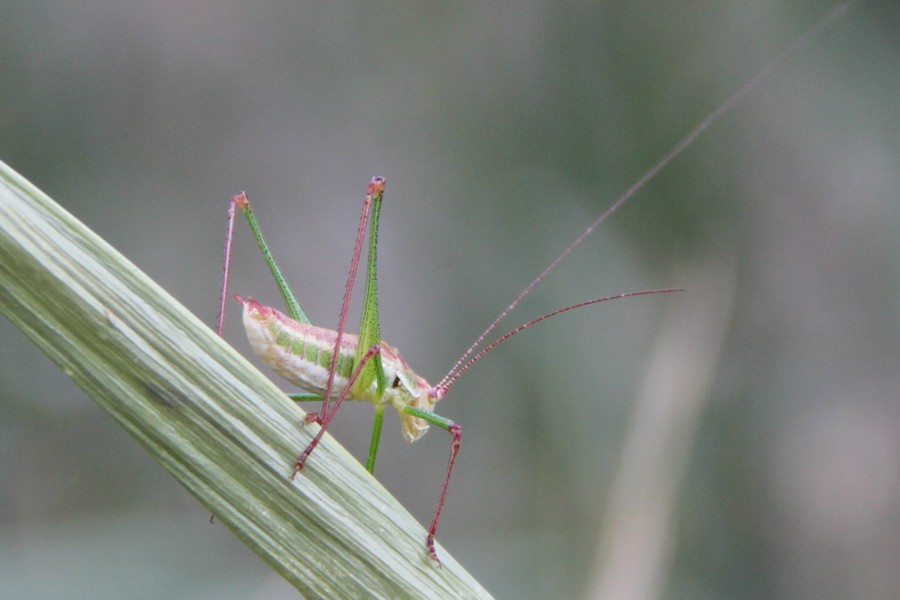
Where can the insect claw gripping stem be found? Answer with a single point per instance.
(312, 418)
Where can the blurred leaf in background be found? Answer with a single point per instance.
(502, 130)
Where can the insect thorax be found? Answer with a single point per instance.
(302, 354)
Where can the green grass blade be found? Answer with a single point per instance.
(213, 421)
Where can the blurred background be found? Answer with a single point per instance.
(740, 440)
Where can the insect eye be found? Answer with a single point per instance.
(396, 383)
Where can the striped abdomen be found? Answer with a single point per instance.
(301, 353)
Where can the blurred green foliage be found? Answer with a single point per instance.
(502, 129)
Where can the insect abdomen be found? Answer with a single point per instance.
(298, 352)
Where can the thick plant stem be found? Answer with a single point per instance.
(213, 421)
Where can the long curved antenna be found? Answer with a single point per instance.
(448, 381)
(676, 150)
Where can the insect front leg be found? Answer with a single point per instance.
(455, 430)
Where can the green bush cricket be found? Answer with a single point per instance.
(327, 362)
(364, 367)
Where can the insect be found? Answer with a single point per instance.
(364, 367)
(333, 365)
